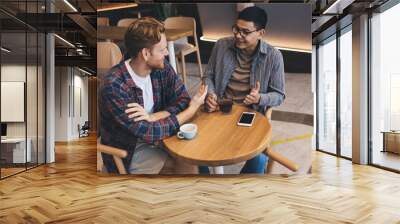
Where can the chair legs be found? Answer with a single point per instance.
(281, 159)
(178, 65)
(270, 164)
(183, 68)
(199, 61)
(99, 162)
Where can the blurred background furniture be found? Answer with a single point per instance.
(391, 141)
(182, 47)
(103, 21)
(125, 22)
(84, 129)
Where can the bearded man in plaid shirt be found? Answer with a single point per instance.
(143, 100)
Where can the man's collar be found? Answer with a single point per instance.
(125, 73)
(263, 47)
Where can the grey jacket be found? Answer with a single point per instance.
(267, 67)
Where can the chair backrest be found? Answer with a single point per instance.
(125, 22)
(108, 55)
(103, 21)
(86, 126)
(181, 22)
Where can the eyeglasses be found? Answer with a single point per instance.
(243, 33)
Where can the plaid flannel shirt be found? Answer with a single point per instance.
(118, 90)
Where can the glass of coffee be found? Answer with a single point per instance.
(225, 105)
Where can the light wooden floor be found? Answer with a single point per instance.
(387, 159)
(70, 191)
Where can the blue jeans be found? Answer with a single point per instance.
(254, 165)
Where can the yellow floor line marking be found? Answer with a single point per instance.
(286, 140)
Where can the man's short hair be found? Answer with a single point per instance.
(142, 33)
(256, 15)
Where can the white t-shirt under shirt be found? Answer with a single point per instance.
(144, 83)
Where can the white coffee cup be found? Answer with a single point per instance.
(187, 131)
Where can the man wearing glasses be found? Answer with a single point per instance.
(248, 70)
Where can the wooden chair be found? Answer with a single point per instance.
(183, 48)
(117, 154)
(103, 21)
(108, 55)
(125, 22)
(274, 156)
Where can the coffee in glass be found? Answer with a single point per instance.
(225, 105)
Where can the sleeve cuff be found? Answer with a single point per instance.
(175, 124)
(210, 85)
(271, 99)
(171, 110)
(264, 99)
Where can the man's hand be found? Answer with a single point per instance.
(200, 96)
(138, 113)
(254, 96)
(194, 105)
(211, 101)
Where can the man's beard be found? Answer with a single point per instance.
(156, 66)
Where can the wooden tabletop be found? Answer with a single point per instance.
(117, 33)
(220, 141)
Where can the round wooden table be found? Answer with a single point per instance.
(220, 141)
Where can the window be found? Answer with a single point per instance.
(385, 85)
(327, 95)
(346, 92)
(22, 75)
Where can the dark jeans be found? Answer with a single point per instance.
(254, 165)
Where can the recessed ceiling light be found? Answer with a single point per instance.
(64, 40)
(114, 6)
(70, 5)
(5, 50)
(84, 71)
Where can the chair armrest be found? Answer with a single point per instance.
(112, 151)
(268, 113)
(282, 160)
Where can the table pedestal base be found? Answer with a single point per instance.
(218, 170)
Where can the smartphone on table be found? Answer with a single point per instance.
(246, 119)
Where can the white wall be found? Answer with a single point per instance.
(71, 93)
(79, 117)
(61, 103)
(33, 127)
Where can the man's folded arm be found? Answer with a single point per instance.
(148, 131)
